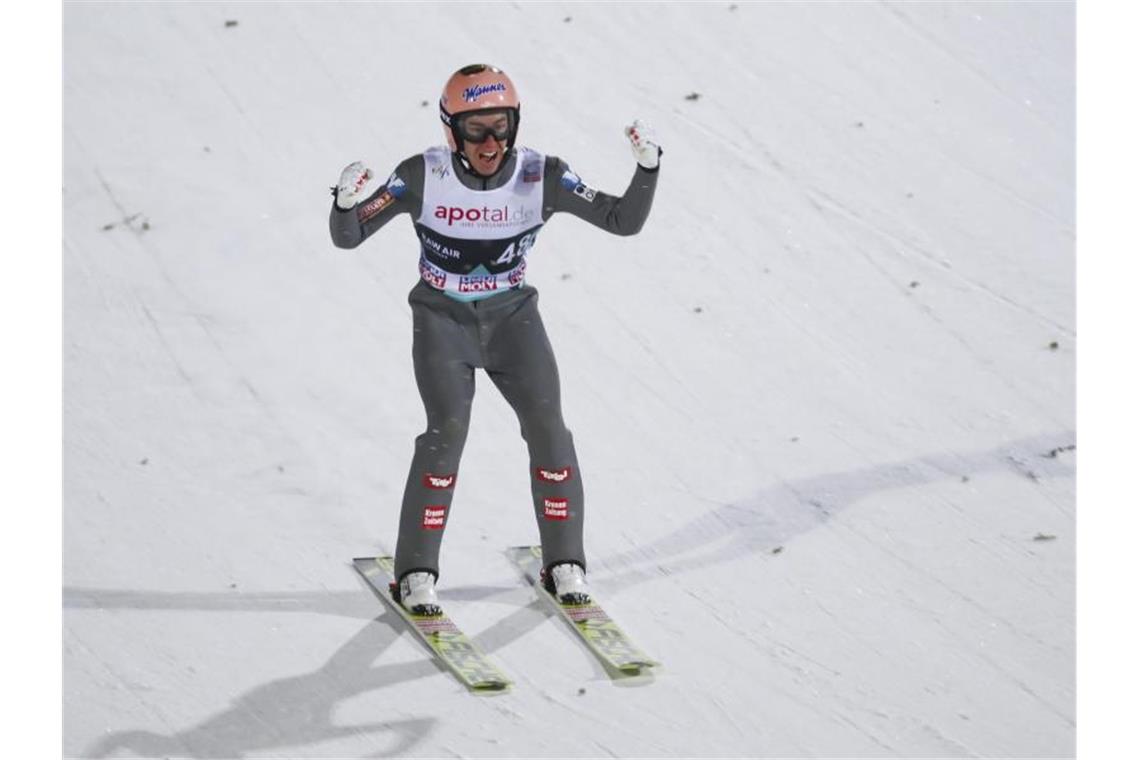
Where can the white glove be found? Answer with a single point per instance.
(352, 181)
(643, 140)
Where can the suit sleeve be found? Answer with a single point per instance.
(401, 193)
(563, 190)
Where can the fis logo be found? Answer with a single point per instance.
(434, 517)
(439, 482)
(532, 171)
(553, 476)
(556, 509)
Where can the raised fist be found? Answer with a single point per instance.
(352, 181)
(643, 141)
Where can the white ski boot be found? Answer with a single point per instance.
(567, 581)
(417, 594)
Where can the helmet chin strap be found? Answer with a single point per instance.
(467, 167)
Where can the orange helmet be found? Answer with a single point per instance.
(478, 88)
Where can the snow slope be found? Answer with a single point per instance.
(826, 441)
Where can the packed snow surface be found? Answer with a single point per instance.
(824, 402)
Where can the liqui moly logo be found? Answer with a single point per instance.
(439, 482)
(434, 517)
(553, 476)
(517, 274)
(471, 94)
(437, 278)
(483, 216)
(556, 509)
(479, 283)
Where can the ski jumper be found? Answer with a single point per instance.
(473, 310)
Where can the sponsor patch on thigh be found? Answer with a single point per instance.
(439, 482)
(434, 516)
(556, 509)
(553, 476)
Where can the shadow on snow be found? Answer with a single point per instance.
(297, 710)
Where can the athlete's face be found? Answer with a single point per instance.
(486, 156)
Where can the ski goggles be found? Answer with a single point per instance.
(474, 127)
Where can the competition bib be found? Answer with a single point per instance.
(473, 243)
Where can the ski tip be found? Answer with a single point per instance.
(373, 568)
(645, 667)
(518, 553)
(491, 687)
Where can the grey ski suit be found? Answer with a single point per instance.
(472, 309)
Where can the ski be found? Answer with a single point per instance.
(441, 635)
(597, 630)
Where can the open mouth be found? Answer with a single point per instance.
(485, 158)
